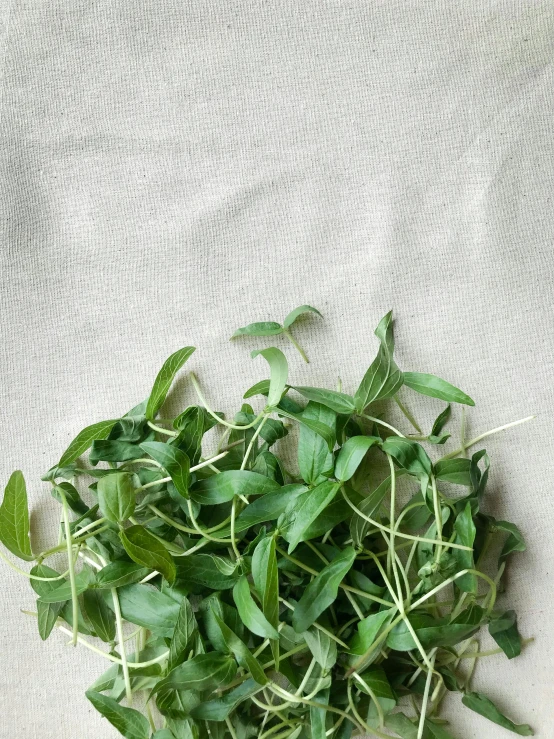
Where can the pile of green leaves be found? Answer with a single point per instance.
(337, 593)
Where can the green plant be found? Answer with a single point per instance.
(266, 601)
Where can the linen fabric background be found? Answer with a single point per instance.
(171, 171)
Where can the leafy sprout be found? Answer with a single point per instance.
(240, 597)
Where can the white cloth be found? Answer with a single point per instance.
(170, 171)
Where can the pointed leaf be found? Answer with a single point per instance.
(203, 672)
(351, 454)
(304, 510)
(279, 371)
(84, 439)
(322, 647)
(465, 535)
(314, 457)
(173, 460)
(250, 614)
(185, 628)
(242, 654)
(146, 606)
(116, 496)
(224, 486)
(456, 471)
(164, 379)
(62, 592)
(99, 614)
(435, 388)
(409, 454)
(262, 328)
(338, 402)
(219, 708)
(383, 379)
(266, 579)
(503, 630)
(14, 518)
(294, 314)
(119, 573)
(130, 723)
(485, 707)
(146, 550)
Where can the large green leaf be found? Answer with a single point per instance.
(351, 454)
(485, 707)
(146, 606)
(203, 672)
(383, 379)
(14, 518)
(147, 550)
(119, 573)
(409, 454)
(436, 388)
(314, 457)
(164, 378)
(130, 723)
(224, 486)
(99, 615)
(84, 439)
(322, 590)
(116, 496)
(338, 402)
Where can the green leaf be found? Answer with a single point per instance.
(456, 471)
(359, 526)
(383, 379)
(326, 433)
(436, 731)
(368, 630)
(146, 550)
(294, 314)
(185, 628)
(266, 579)
(224, 486)
(104, 450)
(99, 614)
(203, 672)
(338, 402)
(322, 590)
(250, 614)
(322, 647)
(465, 535)
(173, 460)
(304, 510)
(441, 420)
(401, 725)
(116, 496)
(220, 708)
(485, 707)
(202, 569)
(436, 632)
(351, 454)
(242, 654)
(279, 371)
(164, 379)
(119, 573)
(409, 454)
(333, 514)
(73, 498)
(265, 508)
(62, 592)
(47, 612)
(163, 734)
(130, 723)
(376, 680)
(84, 439)
(146, 606)
(434, 387)
(260, 388)
(503, 630)
(515, 541)
(314, 457)
(14, 518)
(318, 715)
(262, 328)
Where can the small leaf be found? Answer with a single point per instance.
(435, 388)
(304, 510)
(436, 731)
(360, 526)
(338, 402)
(72, 497)
(294, 314)
(485, 707)
(164, 379)
(173, 460)
(185, 628)
(368, 630)
(260, 388)
(62, 592)
(383, 379)
(322, 590)
(146, 550)
(14, 518)
(105, 450)
(116, 574)
(47, 612)
(465, 535)
(250, 614)
(242, 654)
(219, 708)
(441, 420)
(130, 723)
(515, 541)
(202, 569)
(146, 606)
(84, 439)
(351, 454)
(262, 328)
(116, 496)
(224, 486)
(503, 630)
(409, 454)
(322, 647)
(314, 457)
(401, 725)
(203, 672)
(318, 715)
(279, 371)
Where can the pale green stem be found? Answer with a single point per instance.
(230, 727)
(354, 710)
(463, 432)
(317, 626)
(76, 540)
(214, 415)
(141, 460)
(407, 413)
(161, 430)
(233, 541)
(69, 542)
(438, 518)
(382, 423)
(479, 438)
(121, 642)
(306, 677)
(150, 717)
(421, 726)
(201, 531)
(452, 545)
(252, 442)
(373, 698)
(297, 346)
(28, 574)
(89, 526)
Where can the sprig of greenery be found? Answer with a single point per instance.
(330, 600)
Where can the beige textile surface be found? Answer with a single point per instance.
(172, 170)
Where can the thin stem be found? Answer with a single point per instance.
(373, 698)
(214, 415)
(297, 346)
(69, 542)
(121, 641)
(161, 430)
(317, 626)
(76, 540)
(479, 438)
(28, 574)
(407, 413)
(425, 699)
(201, 531)
(92, 525)
(382, 423)
(463, 432)
(252, 442)
(233, 541)
(438, 518)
